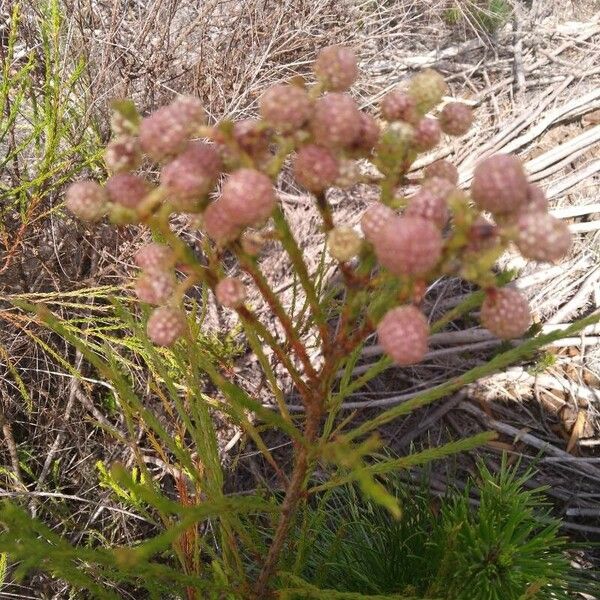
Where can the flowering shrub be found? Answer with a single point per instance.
(321, 128)
(225, 175)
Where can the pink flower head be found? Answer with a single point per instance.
(430, 206)
(368, 135)
(408, 246)
(285, 107)
(155, 257)
(398, 105)
(505, 312)
(122, 154)
(542, 237)
(126, 189)
(427, 134)
(375, 218)
(230, 292)
(403, 334)
(443, 169)
(499, 184)
(248, 197)
(315, 168)
(192, 174)
(166, 325)
(155, 287)
(217, 223)
(336, 121)
(456, 118)
(336, 68)
(86, 200)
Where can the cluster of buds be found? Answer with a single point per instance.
(156, 285)
(225, 174)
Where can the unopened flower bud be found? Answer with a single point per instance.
(505, 313)
(86, 200)
(427, 90)
(121, 215)
(456, 118)
(343, 243)
(408, 246)
(427, 134)
(395, 149)
(122, 154)
(155, 287)
(248, 197)
(442, 168)
(499, 184)
(398, 105)
(336, 68)
(285, 107)
(127, 189)
(315, 168)
(375, 218)
(403, 334)
(155, 257)
(124, 118)
(542, 237)
(166, 325)
(230, 292)
(336, 121)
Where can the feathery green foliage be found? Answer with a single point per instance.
(507, 547)
(42, 109)
(486, 15)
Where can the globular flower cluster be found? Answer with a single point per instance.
(156, 285)
(505, 313)
(500, 186)
(166, 132)
(225, 175)
(336, 68)
(126, 189)
(286, 108)
(409, 245)
(166, 325)
(189, 177)
(155, 257)
(316, 168)
(344, 243)
(403, 333)
(430, 205)
(87, 200)
(248, 197)
(456, 118)
(443, 169)
(374, 220)
(230, 292)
